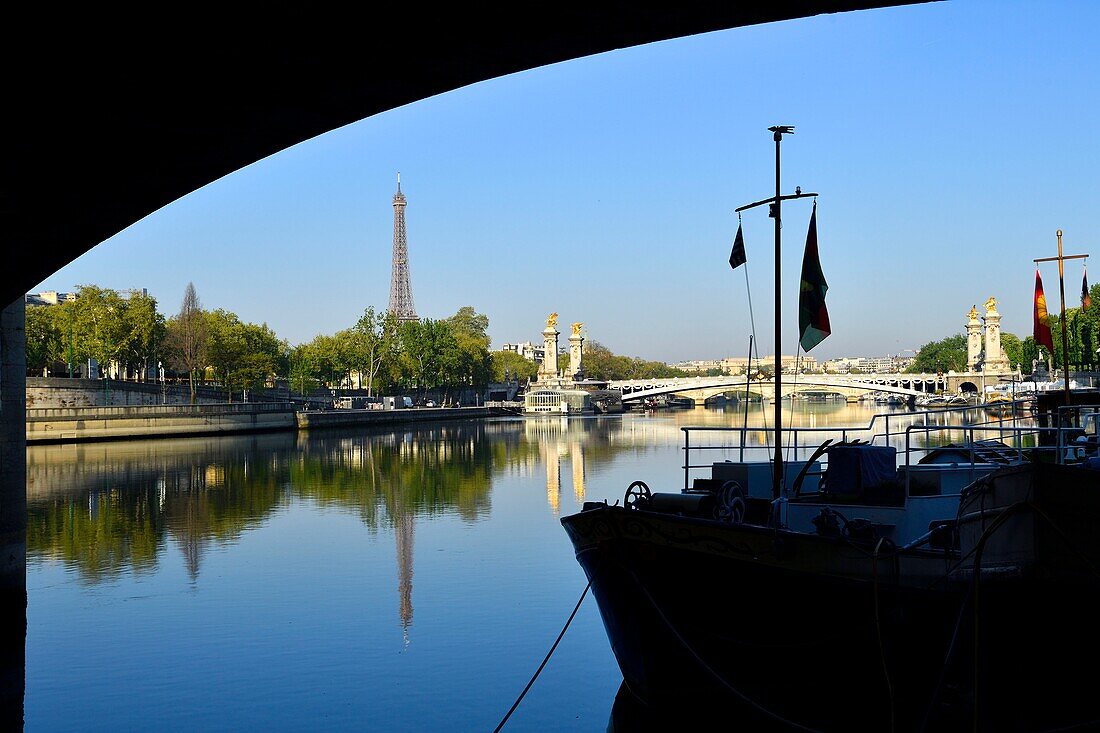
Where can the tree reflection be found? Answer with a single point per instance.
(110, 508)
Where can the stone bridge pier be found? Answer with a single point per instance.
(13, 514)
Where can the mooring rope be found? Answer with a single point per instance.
(544, 661)
(878, 634)
(756, 341)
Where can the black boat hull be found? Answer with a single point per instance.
(779, 630)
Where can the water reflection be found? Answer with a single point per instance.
(109, 508)
(99, 512)
(112, 508)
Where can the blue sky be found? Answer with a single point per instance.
(948, 141)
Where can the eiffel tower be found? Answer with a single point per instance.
(401, 298)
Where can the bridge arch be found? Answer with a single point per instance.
(634, 390)
(138, 120)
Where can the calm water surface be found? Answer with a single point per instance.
(357, 580)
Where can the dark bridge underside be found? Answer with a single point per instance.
(112, 113)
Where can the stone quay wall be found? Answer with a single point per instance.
(62, 392)
(312, 419)
(64, 424)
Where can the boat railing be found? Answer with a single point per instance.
(878, 431)
(1075, 421)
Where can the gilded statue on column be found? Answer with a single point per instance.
(552, 320)
(577, 328)
(991, 304)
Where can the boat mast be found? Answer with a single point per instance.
(777, 212)
(774, 205)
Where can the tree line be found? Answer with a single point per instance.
(378, 353)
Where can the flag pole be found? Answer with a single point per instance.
(775, 204)
(1062, 292)
(777, 212)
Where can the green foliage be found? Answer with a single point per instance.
(601, 363)
(1013, 348)
(941, 356)
(384, 353)
(243, 355)
(517, 366)
(472, 364)
(47, 337)
(100, 324)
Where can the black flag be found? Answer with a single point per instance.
(737, 256)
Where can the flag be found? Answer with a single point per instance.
(737, 256)
(813, 317)
(1042, 318)
(1086, 301)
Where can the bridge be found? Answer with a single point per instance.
(849, 385)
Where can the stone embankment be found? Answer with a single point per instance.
(71, 410)
(63, 424)
(75, 424)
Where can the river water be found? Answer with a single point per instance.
(405, 580)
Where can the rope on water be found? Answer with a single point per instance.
(544, 661)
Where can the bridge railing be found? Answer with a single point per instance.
(799, 440)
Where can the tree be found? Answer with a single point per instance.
(600, 363)
(145, 331)
(243, 355)
(374, 342)
(99, 325)
(1013, 348)
(428, 353)
(469, 322)
(515, 365)
(304, 369)
(471, 364)
(941, 356)
(186, 337)
(46, 337)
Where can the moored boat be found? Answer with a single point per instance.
(850, 589)
(853, 602)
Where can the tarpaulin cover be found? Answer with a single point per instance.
(857, 468)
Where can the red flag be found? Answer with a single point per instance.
(1042, 318)
(1086, 301)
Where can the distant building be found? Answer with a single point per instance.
(868, 364)
(528, 350)
(698, 366)
(735, 365)
(50, 297)
(901, 363)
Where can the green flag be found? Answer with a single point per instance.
(813, 316)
